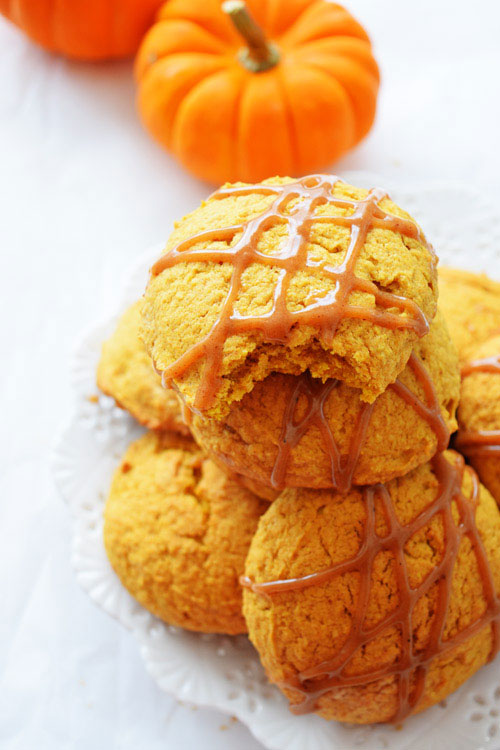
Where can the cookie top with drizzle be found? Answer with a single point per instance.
(374, 605)
(288, 276)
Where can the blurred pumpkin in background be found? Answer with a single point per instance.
(243, 91)
(84, 29)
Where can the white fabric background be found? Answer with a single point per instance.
(82, 191)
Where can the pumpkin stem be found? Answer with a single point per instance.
(259, 54)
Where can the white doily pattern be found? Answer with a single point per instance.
(225, 672)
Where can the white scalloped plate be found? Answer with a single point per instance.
(224, 672)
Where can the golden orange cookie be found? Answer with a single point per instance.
(126, 373)
(479, 414)
(470, 303)
(371, 606)
(288, 276)
(292, 431)
(177, 531)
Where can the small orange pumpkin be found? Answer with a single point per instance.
(232, 105)
(84, 29)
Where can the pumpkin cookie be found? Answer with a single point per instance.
(288, 276)
(370, 606)
(294, 431)
(470, 303)
(126, 373)
(479, 414)
(177, 531)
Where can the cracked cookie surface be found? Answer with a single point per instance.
(184, 302)
(305, 532)
(177, 531)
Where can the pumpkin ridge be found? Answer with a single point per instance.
(113, 36)
(108, 27)
(185, 103)
(143, 66)
(356, 65)
(335, 22)
(292, 127)
(266, 22)
(52, 26)
(357, 47)
(224, 34)
(187, 53)
(89, 31)
(356, 125)
(236, 141)
(311, 64)
(184, 19)
(182, 93)
(223, 44)
(307, 66)
(300, 16)
(347, 98)
(256, 127)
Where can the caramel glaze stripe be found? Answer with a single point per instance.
(323, 313)
(343, 467)
(316, 392)
(412, 667)
(488, 364)
(479, 443)
(430, 411)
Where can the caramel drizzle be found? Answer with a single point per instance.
(488, 364)
(323, 313)
(344, 467)
(412, 666)
(478, 443)
(317, 392)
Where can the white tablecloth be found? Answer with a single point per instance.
(82, 191)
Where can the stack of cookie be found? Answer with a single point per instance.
(294, 326)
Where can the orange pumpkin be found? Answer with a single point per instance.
(84, 29)
(232, 105)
